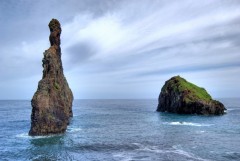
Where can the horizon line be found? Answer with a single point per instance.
(112, 99)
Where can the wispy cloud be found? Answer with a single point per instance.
(108, 45)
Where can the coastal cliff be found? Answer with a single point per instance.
(52, 102)
(180, 96)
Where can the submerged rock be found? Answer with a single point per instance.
(52, 102)
(183, 97)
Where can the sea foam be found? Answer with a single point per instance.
(73, 129)
(128, 156)
(26, 136)
(186, 124)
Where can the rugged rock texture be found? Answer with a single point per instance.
(183, 97)
(52, 102)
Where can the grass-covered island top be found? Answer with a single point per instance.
(180, 96)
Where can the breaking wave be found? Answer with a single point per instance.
(154, 150)
(186, 124)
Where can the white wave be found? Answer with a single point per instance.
(123, 157)
(187, 154)
(73, 129)
(199, 132)
(23, 135)
(148, 148)
(155, 149)
(186, 124)
(229, 110)
(26, 136)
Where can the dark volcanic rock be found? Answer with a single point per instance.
(183, 97)
(52, 102)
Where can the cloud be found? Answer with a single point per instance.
(189, 69)
(80, 52)
(109, 43)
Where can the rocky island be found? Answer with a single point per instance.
(180, 96)
(52, 102)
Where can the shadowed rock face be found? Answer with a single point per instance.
(52, 102)
(183, 97)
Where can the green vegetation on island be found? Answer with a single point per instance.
(180, 96)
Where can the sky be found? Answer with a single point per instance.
(122, 49)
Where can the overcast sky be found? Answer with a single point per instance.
(122, 48)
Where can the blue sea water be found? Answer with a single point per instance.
(123, 130)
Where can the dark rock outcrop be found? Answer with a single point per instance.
(52, 102)
(183, 97)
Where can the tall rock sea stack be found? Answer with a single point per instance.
(52, 102)
(180, 96)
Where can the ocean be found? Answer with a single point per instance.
(123, 130)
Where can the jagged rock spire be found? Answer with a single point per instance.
(52, 102)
